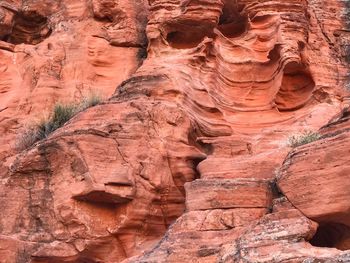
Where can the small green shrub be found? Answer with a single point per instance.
(61, 114)
(304, 138)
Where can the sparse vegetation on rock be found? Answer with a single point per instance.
(61, 114)
(303, 138)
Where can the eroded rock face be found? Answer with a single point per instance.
(327, 176)
(179, 164)
(112, 186)
(62, 51)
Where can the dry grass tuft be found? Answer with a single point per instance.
(60, 115)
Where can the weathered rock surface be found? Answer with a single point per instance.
(185, 159)
(324, 165)
(62, 51)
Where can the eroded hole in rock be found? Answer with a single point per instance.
(296, 89)
(28, 28)
(260, 19)
(332, 235)
(183, 40)
(233, 22)
(188, 36)
(274, 55)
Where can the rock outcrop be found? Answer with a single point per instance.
(186, 159)
(327, 190)
(62, 51)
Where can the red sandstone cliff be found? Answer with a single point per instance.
(187, 158)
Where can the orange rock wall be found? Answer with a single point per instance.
(186, 159)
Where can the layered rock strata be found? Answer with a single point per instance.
(186, 160)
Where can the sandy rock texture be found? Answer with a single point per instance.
(62, 51)
(187, 158)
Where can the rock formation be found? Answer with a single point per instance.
(187, 157)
